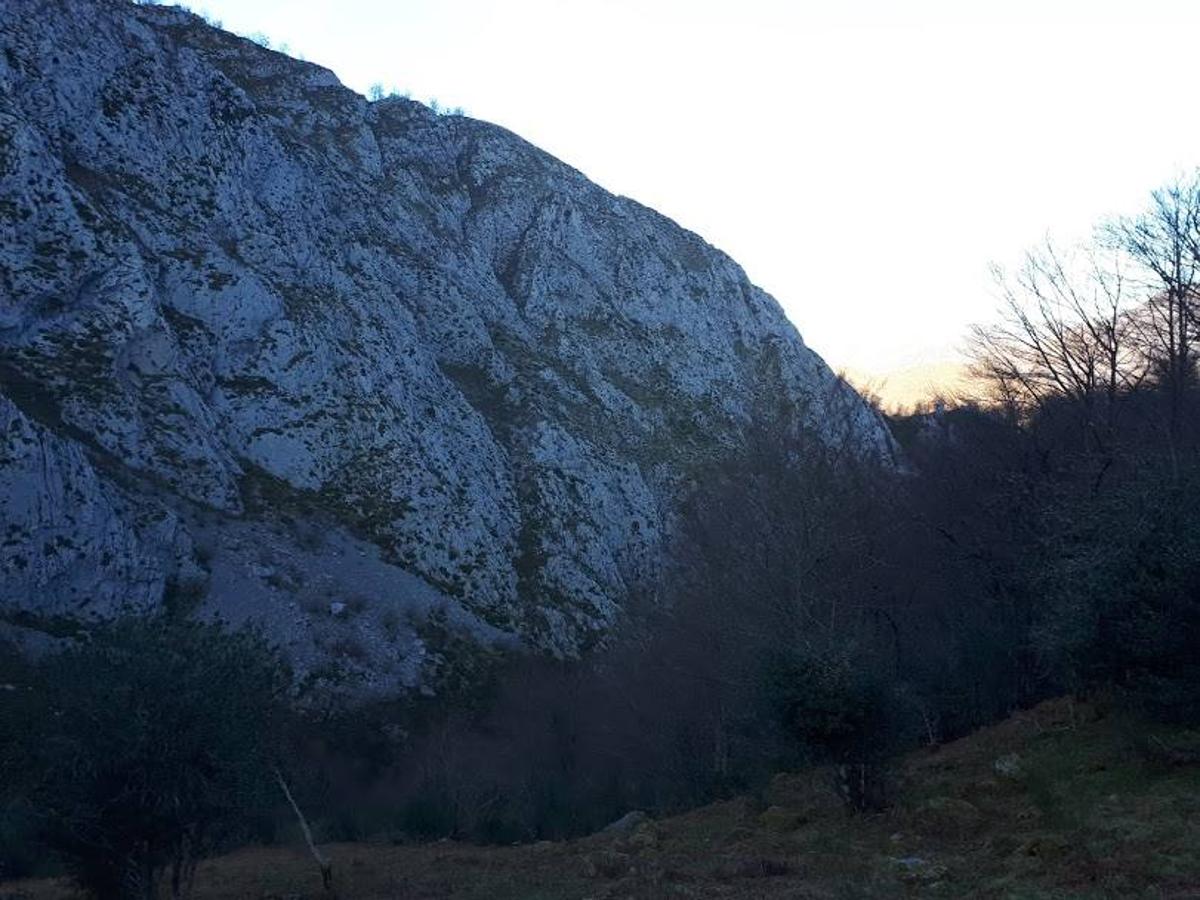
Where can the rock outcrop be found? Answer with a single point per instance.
(372, 375)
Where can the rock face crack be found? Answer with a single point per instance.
(252, 323)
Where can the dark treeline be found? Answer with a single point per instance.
(820, 608)
(1039, 539)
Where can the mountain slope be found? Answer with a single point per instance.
(350, 368)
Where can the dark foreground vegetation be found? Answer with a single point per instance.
(1065, 800)
(821, 611)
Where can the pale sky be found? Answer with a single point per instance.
(864, 160)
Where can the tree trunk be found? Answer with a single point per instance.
(323, 862)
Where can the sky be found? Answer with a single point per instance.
(864, 160)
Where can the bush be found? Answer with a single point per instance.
(18, 857)
(145, 744)
(1124, 593)
(834, 701)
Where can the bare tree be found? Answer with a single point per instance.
(1065, 331)
(1163, 245)
(779, 558)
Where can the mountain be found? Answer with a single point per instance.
(375, 377)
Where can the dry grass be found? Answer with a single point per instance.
(1076, 809)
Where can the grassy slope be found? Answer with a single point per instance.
(1081, 810)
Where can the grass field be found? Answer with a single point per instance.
(1058, 801)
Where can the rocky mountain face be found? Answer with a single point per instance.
(375, 377)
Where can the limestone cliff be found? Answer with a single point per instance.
(348, 367)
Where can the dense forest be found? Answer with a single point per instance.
(1038, 539)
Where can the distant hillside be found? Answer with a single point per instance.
(906, 386)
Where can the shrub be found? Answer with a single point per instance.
(146, 743)
(833, 700)
(1123, 593)
(18, 858)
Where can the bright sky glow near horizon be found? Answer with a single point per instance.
(865, 161)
